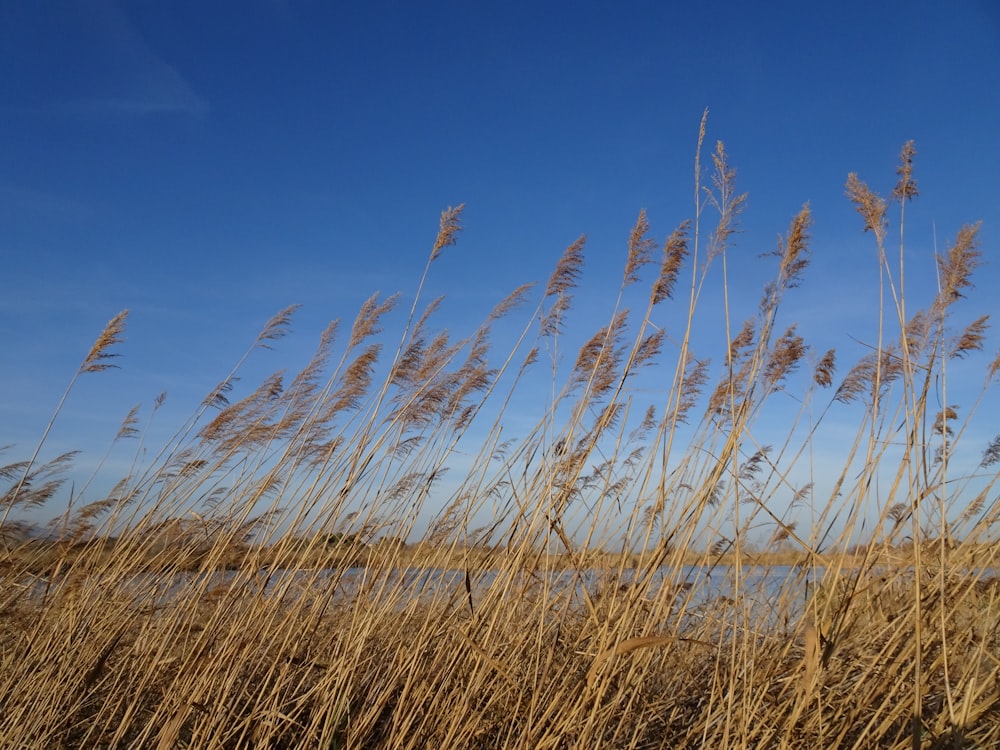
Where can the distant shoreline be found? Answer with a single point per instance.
(42, 557)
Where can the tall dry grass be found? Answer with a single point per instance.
(270, 578)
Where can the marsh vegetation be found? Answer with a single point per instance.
(246, 585)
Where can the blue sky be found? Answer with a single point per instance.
(207, 164)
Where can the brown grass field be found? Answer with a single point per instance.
(294, 568)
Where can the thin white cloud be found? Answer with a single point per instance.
(125, 75)
(149, 84)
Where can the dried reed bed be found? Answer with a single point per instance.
(266, 580)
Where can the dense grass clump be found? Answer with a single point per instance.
(294, 568)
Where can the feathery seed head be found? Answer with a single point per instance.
(869, 204)
(567, 270)
(276, 327)
(674, 252)
(640, 249)
(450, 227)
(906, 187)
(956, 267)
(823, 376)
(98, 356)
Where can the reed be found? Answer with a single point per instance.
(296, 567)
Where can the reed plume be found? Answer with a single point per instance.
(869, 204)
(98, 357)
(955, 269)
(277, 327)
(448, 232)
(823, 374)
(971, 339)
(640, 249)
(675, 251)
(906, 187)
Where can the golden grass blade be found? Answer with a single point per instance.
(650, 641)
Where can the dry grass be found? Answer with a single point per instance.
(267, 581)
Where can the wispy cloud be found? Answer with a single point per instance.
(146, 83)
(117, 72)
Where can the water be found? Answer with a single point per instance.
(765, 595)
(762, 596)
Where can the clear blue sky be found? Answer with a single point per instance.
(205, 164)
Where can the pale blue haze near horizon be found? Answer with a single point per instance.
(206, 164)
